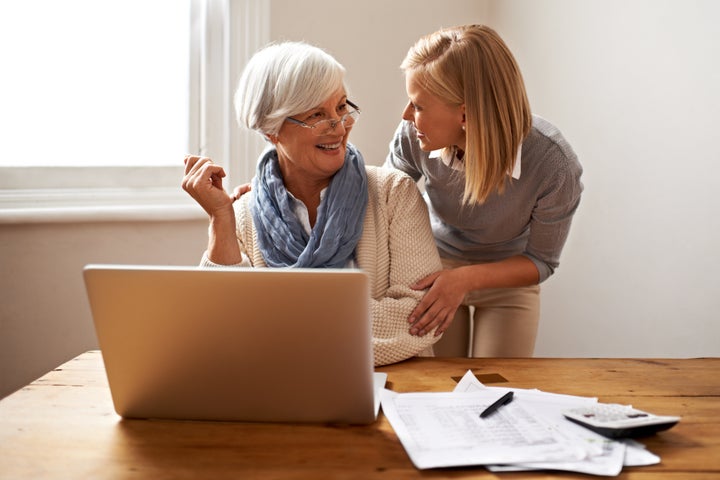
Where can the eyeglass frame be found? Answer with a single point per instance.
(331, 123)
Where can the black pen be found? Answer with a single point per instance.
(505, 399)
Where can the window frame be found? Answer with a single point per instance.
(223, 36)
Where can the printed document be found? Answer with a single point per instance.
(445, 430)
(530, 433)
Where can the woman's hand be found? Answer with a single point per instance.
(447, 289)
(437, 308)
(241, 190)
(203, 181)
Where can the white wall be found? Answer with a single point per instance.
(635, 86)
(632, 84)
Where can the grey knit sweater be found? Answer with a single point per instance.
(532, 217)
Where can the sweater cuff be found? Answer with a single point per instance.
(207, 263)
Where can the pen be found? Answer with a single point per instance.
(505, 399)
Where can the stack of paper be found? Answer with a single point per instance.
(445, 430)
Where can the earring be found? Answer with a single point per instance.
(463, 127)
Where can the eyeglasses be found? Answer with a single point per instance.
(327, 126)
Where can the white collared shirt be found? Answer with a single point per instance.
(301, 211)
(449, 157)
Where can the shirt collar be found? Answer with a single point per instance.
(301, 212)
(449, 157)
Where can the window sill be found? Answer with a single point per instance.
(97, 205)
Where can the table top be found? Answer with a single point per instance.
(63, 425)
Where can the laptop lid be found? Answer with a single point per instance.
(232, 344)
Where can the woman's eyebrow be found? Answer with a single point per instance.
(342, 101)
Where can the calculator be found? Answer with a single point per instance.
(617, 421)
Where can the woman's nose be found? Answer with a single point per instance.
(407, 113)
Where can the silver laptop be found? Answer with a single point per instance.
(231, 344)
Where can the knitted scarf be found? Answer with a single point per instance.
(332, 241)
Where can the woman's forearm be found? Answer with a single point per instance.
(223, 247)
(517, 271)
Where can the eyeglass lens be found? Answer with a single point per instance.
(326, 126)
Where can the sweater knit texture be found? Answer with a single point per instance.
(531, 218)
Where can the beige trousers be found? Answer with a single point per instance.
(496, 322)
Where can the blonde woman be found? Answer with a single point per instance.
(502, 186)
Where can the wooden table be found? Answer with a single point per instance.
(63, 425)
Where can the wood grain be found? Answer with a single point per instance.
(63, 425)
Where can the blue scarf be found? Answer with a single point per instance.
(332, 241)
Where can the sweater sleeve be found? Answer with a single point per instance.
(205, 262)
(405, 253)
(557, 202)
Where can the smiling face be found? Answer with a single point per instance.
(306, 157)
(438, 124)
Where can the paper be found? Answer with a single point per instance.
(530, 433)
(379, 380)
(607, 456)
(445, 430)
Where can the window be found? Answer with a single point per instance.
(105, 99)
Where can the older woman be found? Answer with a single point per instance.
(313, 202)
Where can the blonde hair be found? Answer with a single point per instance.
(471, 65)
(283, 80)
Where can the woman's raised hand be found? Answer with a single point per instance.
(203, 181)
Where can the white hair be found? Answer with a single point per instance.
(283, 80)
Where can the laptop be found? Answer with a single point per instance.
(236, 344)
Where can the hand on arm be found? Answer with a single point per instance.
(203, 182)
(241, 190)
(401, 222)
(447, 289)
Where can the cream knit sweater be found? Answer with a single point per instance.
(396, 249)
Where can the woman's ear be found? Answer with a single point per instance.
(271, 138)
